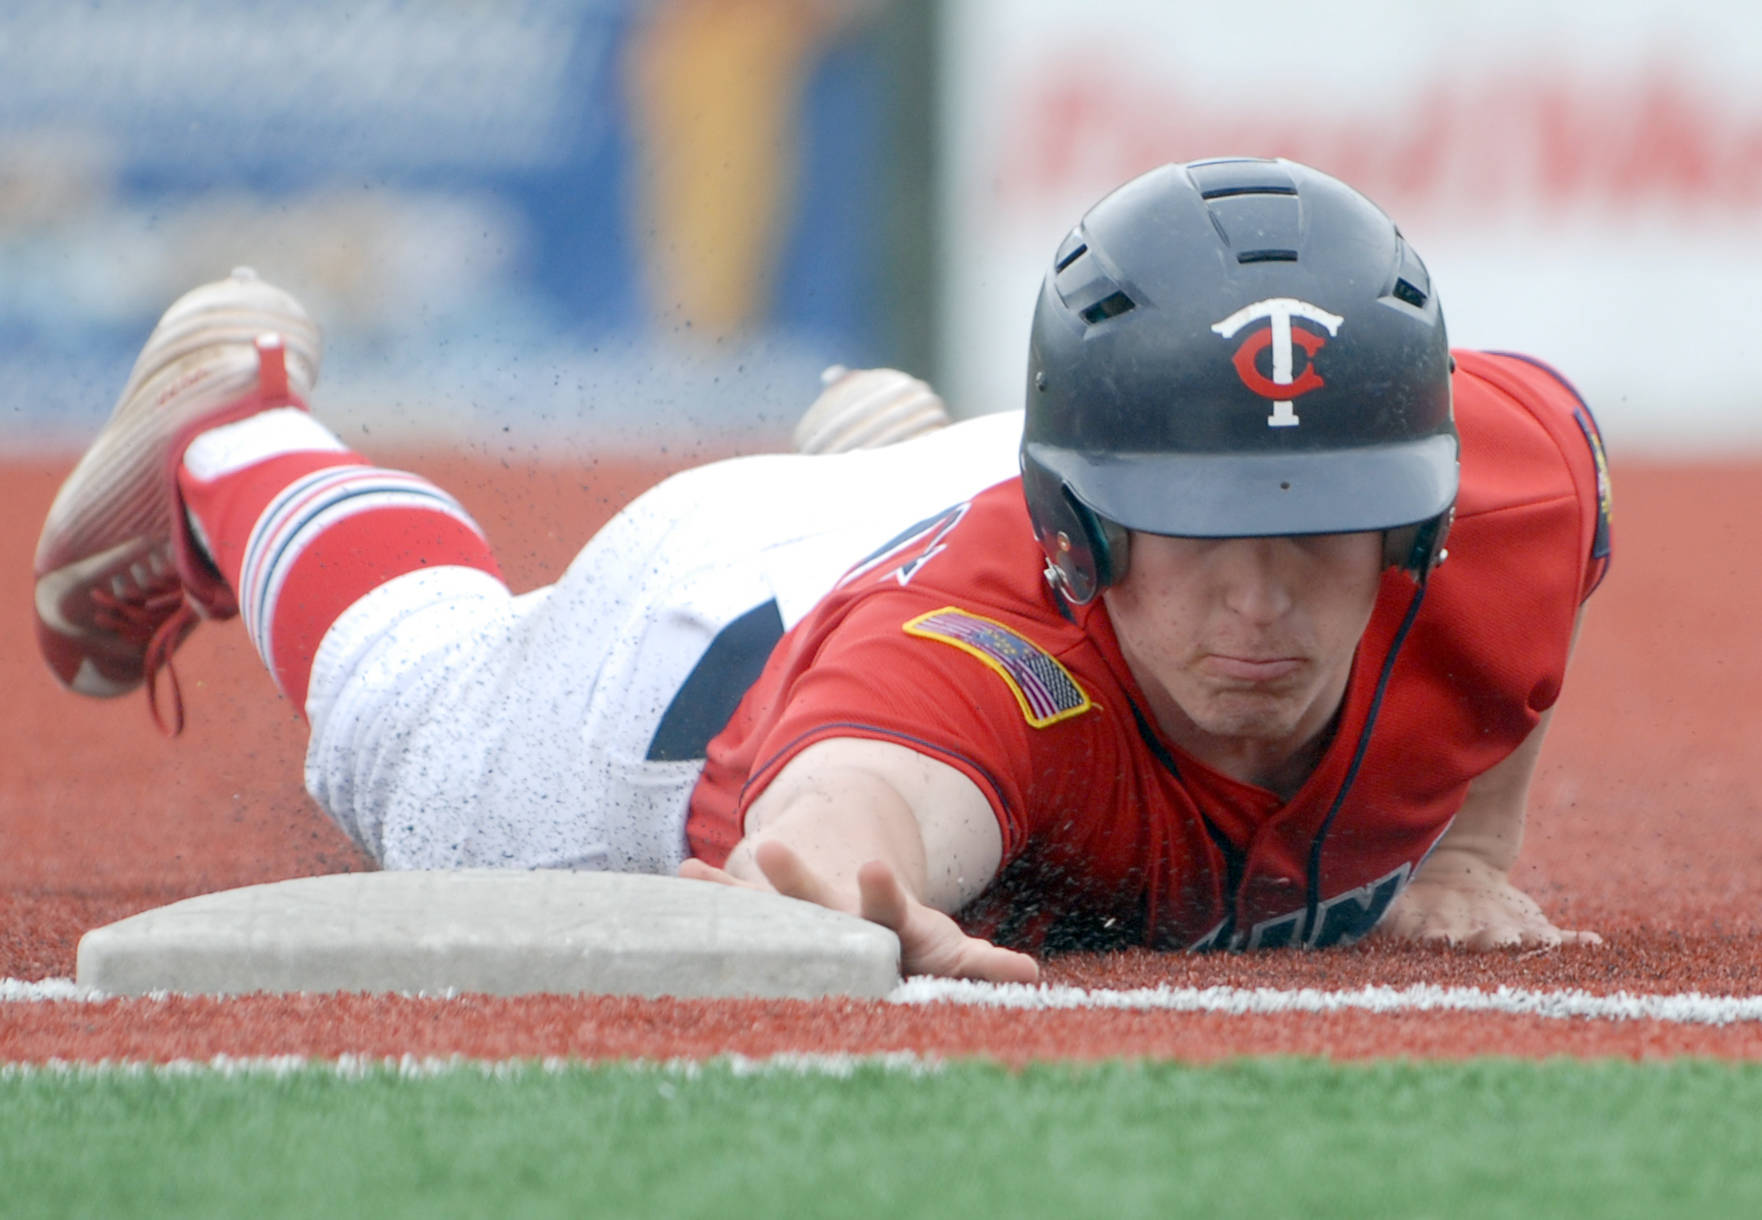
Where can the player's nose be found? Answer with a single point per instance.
(1255, 578)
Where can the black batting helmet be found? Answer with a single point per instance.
(1235, 348)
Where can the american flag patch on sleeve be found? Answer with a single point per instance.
(1044, 688)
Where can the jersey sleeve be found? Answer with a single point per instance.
(1525, 550)
(979, 694)
(1557, 406)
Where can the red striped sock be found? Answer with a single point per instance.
(301, 535)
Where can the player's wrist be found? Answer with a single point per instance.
(1481, 855)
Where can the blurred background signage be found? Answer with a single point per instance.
(552, 227)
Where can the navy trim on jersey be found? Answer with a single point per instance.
(706, 700)
(1235, 859)
(1313, 899)
(1600, 547)
(909, 534)
(1547, 368)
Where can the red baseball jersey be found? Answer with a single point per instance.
(951, 642)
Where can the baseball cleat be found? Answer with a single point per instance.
(866, 409)
(120, 580)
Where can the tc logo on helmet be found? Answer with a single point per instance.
(1283, 387)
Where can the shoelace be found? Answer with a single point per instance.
(157, 618)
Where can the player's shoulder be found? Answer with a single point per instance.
(974, 579)
(1529, 438)
(1525, 379)
(978, 555)
(1527, 433)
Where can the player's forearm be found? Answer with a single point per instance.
(1491, 821)
(1493, 840)
(836, 827)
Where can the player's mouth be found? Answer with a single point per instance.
(1250, 670)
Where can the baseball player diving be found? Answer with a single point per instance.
(1244, 633)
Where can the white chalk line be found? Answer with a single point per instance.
(1687, 1008)
(42, 989)
(1682, 1008)
(415, 1067)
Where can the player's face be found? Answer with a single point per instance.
(1245, 640)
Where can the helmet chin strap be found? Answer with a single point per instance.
(1312, 899)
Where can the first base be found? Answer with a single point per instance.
(494, 931)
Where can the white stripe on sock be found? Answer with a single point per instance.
(232, 447)
(302, 514)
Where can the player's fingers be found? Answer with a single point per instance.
(1581, 937)
(930, 942)
(1438, 921)
(1428, 915)
(790, 875)
(1400, 923)
(994, 964)
(883, 899)
(1512, 936)
(1438, 928)
(697, 870)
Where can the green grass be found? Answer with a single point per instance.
(1261, 1138)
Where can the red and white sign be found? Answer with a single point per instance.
(1584, 180)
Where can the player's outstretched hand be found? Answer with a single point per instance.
(1460, 899)
(930, 942)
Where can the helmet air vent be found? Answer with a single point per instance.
(1405, 291)
(1110, 306)
(1230, 192)
(1261, 226)
(1073, 249)
(1413, 284)
(1085, 285)
(1220, 179)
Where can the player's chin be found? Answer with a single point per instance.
(1255, 714)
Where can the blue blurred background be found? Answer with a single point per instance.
(550, 227)
(597, 221)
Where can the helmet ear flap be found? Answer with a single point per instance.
(1086, 553)
(1113, 550)
(1418, 548)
